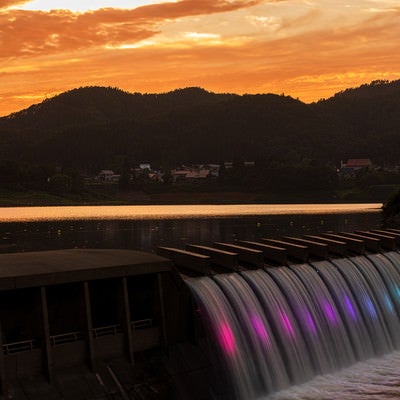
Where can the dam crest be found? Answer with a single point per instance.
(240, 320)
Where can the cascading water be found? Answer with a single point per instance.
(373, 275)
(367, 304)
(309, 317)
(285, 327)
(282, 326)
(271, 374)
(348, 309)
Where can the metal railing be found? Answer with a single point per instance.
(19, 347)
(106, 330)
(65, 338)
(142, 323)
(55, 340)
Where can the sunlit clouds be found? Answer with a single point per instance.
(82, 6)
(306, 49)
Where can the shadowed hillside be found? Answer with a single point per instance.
(89, 126)
(366, 121)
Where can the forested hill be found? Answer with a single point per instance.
(94, 105)
(90, 126)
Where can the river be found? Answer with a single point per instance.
(377, 378)
(146, 227)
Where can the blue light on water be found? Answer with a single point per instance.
(370, 307)
(389, 303)
(397, 291)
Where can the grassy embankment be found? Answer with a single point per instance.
(112, 196)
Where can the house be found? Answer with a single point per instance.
(192, 173)
(354, 164)
(212, 168)
(228, 164)
(143, 166)
(179, 174)
(105, 174)
(357, 163)
(198, 174)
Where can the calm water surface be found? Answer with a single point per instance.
(33, 214)
(146, 227)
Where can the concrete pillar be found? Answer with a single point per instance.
(3, 383)
(46, 347)
(126, 321)
(164, 338)
(89, 327)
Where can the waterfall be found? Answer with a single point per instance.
(276, 327)
(348, 309)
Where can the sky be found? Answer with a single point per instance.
(303, 48)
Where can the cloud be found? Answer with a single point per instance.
(307, 65)
(302, 20)
(27, 33)
(48, 52)
(9, 3)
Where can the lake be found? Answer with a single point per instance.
(146, 227)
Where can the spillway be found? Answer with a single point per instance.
(276, 327)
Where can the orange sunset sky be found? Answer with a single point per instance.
(304, 48)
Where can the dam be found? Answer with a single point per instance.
(240, 320)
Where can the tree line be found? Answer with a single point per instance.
(293, 143)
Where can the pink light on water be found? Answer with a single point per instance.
(287, 324)
(259, 328)
(329, 311)
(226, 338)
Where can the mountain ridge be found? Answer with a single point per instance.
(89, 126)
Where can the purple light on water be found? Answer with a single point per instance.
(259, 328)
(310, 322)
(226, 338)
(350, 307)
(329, 311)
(287, 324)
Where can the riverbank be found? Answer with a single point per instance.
(115, 197)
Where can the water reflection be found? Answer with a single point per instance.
(146, 234)
(33, 214)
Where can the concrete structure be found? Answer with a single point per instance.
(85, 308)
(77, 307)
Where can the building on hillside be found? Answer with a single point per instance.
(212, 168)
(198, 174)
(228, 164)
(179, 174)
(108, 175)
(354, 164)
(194, 173)
(143, 166)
